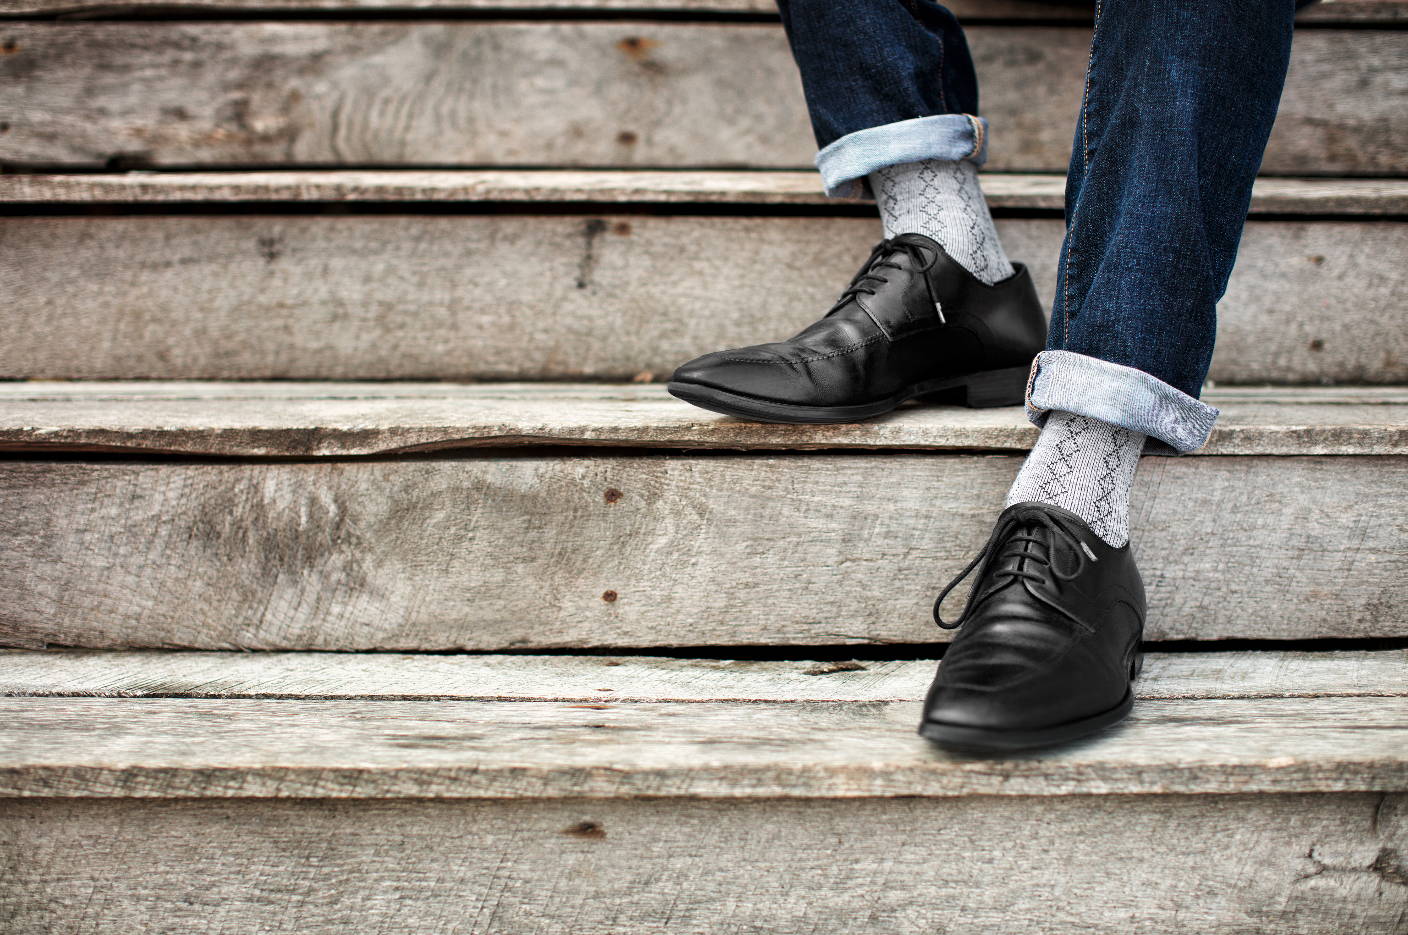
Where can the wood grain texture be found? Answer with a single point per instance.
(193, 748)
(1187, 865)
(513, 551)
(331, 419)
(607, 679)
(1076, 11)
(437, 297)
(577, 94)
(1018, 191)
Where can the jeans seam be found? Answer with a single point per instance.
(977, 136)
(1085, 170)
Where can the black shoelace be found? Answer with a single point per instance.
(869, 278)
(1034, 566)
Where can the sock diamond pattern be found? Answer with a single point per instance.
(1085, 466)
(941, 198)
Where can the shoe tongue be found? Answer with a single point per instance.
(920, 240)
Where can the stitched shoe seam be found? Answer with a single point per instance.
(804, 360)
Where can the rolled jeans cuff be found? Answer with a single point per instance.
(1119, 395)
(845, 163)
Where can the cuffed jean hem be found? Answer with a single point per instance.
(1119, 395)
(845, 163)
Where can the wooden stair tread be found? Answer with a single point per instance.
(802, 748)
(1016, 191)
(330, 419)
(488, 677)
(1326, 11)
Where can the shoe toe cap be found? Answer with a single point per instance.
(752, 371)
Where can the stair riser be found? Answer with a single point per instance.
(577, 94)
(570, 297)
(1305, 863)
(524, 552)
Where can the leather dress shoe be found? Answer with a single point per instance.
(1050, 637)
(912, 323)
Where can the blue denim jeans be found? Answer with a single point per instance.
(1178, 103)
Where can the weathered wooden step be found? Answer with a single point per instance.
(1004, 190)
(618, 679)
(351, 419)
(608, 295)
(1313, 864)
(505, 547)
(1285, 739)
(1325, 11)
(559, 816)
(574, 93)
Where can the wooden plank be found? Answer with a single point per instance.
(1017, 191)
(610, 296)
(1310, 864)
(547, 93)
(388, 676)
(651, 550)
(329, 419)
(1326, 11)
(189, 748)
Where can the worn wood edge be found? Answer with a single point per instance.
(1327, 11)
(165, 748)
(1150, 865)
(323, 421)
(642, 679)
(1012, 191)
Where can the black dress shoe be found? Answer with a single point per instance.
(912, 323)
(1050, 638)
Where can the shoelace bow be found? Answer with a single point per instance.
(1023, 570)
(868, 278)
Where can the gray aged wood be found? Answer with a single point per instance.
(406, 297)
(613, 186)
(331, 419)
(194, 748)
(577, 94)
(1310, 864)
(388, 676)
(515, 551)
(1326, 11)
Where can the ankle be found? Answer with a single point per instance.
(1085, 466)
(942, 199)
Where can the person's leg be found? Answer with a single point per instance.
(892, 95)
(937, 307)
(1177, 108)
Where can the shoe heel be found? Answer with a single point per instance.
(1136, 666)
(993, 388)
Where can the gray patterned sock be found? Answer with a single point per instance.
(1087, 467)
(941, 198)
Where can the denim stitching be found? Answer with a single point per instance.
(977, 136)
(1031, 383)
(1085, 171)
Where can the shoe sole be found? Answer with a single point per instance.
(983, 390)
(986, 740)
